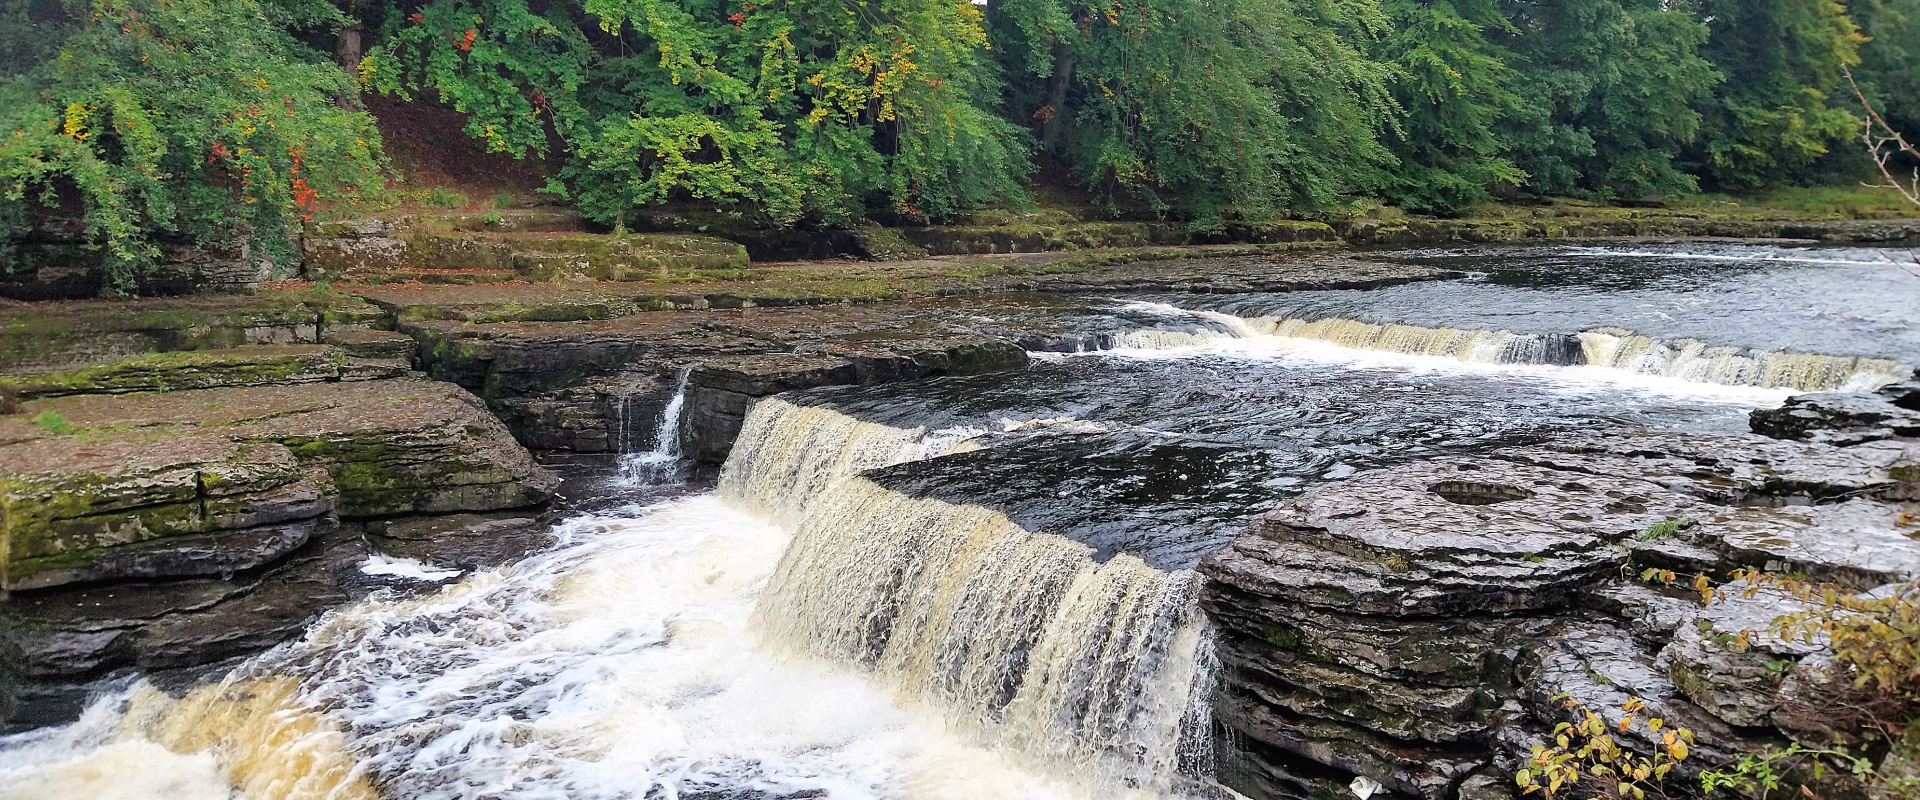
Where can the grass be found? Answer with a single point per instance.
(55, 424)
(1814, 202)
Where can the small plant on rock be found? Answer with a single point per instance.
(1586, 761)
(53, 423)
(1868, 699)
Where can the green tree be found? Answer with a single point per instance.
(1608, 90)
(1454, 85)
(788, 110)
(1778, 111)
(1201, 108)
(197, 119)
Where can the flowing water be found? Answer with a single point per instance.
(1808, 319)
(973, 587)
(661, 464)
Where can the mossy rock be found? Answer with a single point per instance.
(97, 510)
(489, 257)
(202, 481)
(192, 369)
(49, 337)
(877, 243)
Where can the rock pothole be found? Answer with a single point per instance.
(1468, 493)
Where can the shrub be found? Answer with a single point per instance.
(201, 119)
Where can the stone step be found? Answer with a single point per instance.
(207, 481)
(470, 257)
(49, 337)
(257, 365)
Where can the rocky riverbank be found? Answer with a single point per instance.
(185, 481)
(190, 479)
(1424, 627)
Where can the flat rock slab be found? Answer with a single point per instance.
(1445, 537)
(1736, 470)
(44, 337)
(1843, 418)
(257, 365)
(1445, 609)
(1239, 268)
(114, 487)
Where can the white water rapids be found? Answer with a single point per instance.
(1613, 349)
(693, 650)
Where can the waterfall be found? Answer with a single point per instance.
(1612, 348)
(787, 455)
(662, 463)
(1092, 667)
(1694, 360)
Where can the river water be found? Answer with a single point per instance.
(976, 587)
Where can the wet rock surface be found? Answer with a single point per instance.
(1424, 623)
(1844, 418)
(589, 386)
(169, 530)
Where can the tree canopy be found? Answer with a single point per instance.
(230, 120)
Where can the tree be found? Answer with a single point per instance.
(1608, 94)
(1454, 85)
(197, 119)
(1886, 143)
(1203, 108)
(1775, 114)
(785, 110)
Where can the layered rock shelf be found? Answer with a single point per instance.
(1424, 626)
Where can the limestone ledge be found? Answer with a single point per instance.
(211, 481)
(1417, 625)
(49, 337)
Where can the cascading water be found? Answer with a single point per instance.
(1612, 348)
(662, 463)
(1022, 636)
(653, 654)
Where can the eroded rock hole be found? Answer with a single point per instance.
(1467, 493)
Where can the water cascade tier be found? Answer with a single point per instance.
(1690, 360)
(1024, 637)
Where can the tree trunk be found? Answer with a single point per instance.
(1057, 85)
(348, 50)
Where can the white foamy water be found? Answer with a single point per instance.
(410, 569)
(1612, 355)
(620, 665)
(95, 759)
(662, 463)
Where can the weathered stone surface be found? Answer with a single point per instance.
(1730, 470)
(374, 344)
(72, 269)
(127, 509)
(1845, 418)
(460, 541)
(400, 255)
(1739, 685)
(52, 641)
(1601, 667)
(1443, 537)
(201, 482)
(53, 337)
(1425, 623)
(550, 381)
(258, 365)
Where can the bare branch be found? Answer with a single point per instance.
(1883, 143)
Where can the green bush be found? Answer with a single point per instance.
(198, 119)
